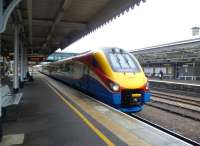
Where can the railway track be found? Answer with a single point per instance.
(186, 102)
(174, 91)
(187, 140)
(178, 98)
(185, 106)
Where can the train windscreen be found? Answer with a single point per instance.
(123, 62)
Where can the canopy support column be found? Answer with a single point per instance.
(16, 59)
(1, 61)
(21, 64)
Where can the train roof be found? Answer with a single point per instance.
(90, 52)
(76, 56)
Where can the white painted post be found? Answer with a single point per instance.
(1, 12)
(16, 59)
(1, 60)
(22, 62)
(25, 62)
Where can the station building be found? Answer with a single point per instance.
(177, 60)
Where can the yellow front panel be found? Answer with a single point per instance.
(102, 60)
(124, 79)
(130, 80)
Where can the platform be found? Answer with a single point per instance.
(182, 85)
(181, 82)
(45, 120)
(54, 114)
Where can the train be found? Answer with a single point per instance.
(111, 75)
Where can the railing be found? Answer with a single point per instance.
(157, 75)
(189, 77)
(168, 77)
(165, 76)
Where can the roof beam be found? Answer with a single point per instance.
(74, 25)
(64, 6)
(112, 9)
(4, 14)
(63, 24)
(11, 37)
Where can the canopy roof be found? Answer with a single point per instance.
(51, 24)
(182, 51)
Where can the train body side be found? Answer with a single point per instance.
(92, 73)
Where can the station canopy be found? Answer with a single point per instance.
(181, 51)
(51, 24)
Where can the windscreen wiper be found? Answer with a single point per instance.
(118, 60)
(126, 60)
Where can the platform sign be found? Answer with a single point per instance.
(37, 59)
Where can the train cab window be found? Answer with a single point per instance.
(114, 61)
(131, 61)
(123, 62)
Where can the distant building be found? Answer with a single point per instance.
(59, 56)
(195, 31)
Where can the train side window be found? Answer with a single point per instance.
(60, 67)
(94, 63)
(71, 67)
(85, 70)
(67, 68)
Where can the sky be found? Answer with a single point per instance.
(152, 23)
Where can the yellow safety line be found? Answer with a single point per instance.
(87, 122)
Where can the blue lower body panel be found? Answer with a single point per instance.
(131, 109)
(100, 92)
(146, 97)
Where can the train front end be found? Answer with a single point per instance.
(127, 81)
(134, 91)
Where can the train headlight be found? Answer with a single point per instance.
(147, 86)
(114, 87)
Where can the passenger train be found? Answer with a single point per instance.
(111, 75)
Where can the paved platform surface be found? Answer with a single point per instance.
(130, 130)
(191, 88)
(46, 121)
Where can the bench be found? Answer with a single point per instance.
(7, 98)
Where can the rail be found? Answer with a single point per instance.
(177, 98)
(189, 77)
(185, 106)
